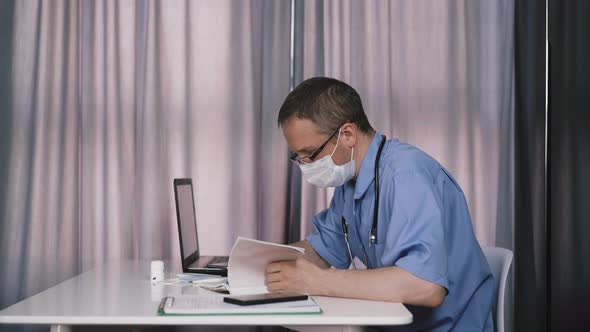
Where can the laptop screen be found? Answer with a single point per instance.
(188, 220)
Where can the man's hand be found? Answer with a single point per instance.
(298, 276)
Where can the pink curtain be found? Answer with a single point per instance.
(111, 100)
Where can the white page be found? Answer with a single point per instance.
(248, 261)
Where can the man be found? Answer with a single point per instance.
(422, 250)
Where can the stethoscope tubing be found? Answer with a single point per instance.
(373, 230)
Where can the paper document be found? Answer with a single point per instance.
(246, 272)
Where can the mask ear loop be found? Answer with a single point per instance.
(337, 140)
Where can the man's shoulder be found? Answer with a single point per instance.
(402, 158)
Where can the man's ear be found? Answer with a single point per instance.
(349, 134)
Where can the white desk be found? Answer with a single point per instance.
(120, 293)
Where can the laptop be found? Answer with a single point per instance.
(192, 261)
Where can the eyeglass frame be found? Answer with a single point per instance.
(296, 158)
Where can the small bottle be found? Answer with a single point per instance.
(157, 270)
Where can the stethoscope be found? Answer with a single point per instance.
(373, 230)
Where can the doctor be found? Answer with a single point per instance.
(395, 208)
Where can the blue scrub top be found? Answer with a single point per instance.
(424, 227)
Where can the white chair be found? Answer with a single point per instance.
(499, 260)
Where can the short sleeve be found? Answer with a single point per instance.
(415, 239)
(328, 237)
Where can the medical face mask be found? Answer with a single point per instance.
(325, 173)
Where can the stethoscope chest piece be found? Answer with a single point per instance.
(371, 238)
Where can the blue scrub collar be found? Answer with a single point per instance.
(367, 171)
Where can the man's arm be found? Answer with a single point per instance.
(311, 255)
(392, 284)
(312, 276)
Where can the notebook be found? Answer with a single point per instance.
(211, 303)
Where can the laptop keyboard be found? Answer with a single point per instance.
(218, 260)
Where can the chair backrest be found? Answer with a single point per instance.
(499, 260)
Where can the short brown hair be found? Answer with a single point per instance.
(327, 102)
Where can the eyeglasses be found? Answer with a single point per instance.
(298, 159)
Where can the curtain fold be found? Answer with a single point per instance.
(568, 154)
(530, 263)
(6, 131)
